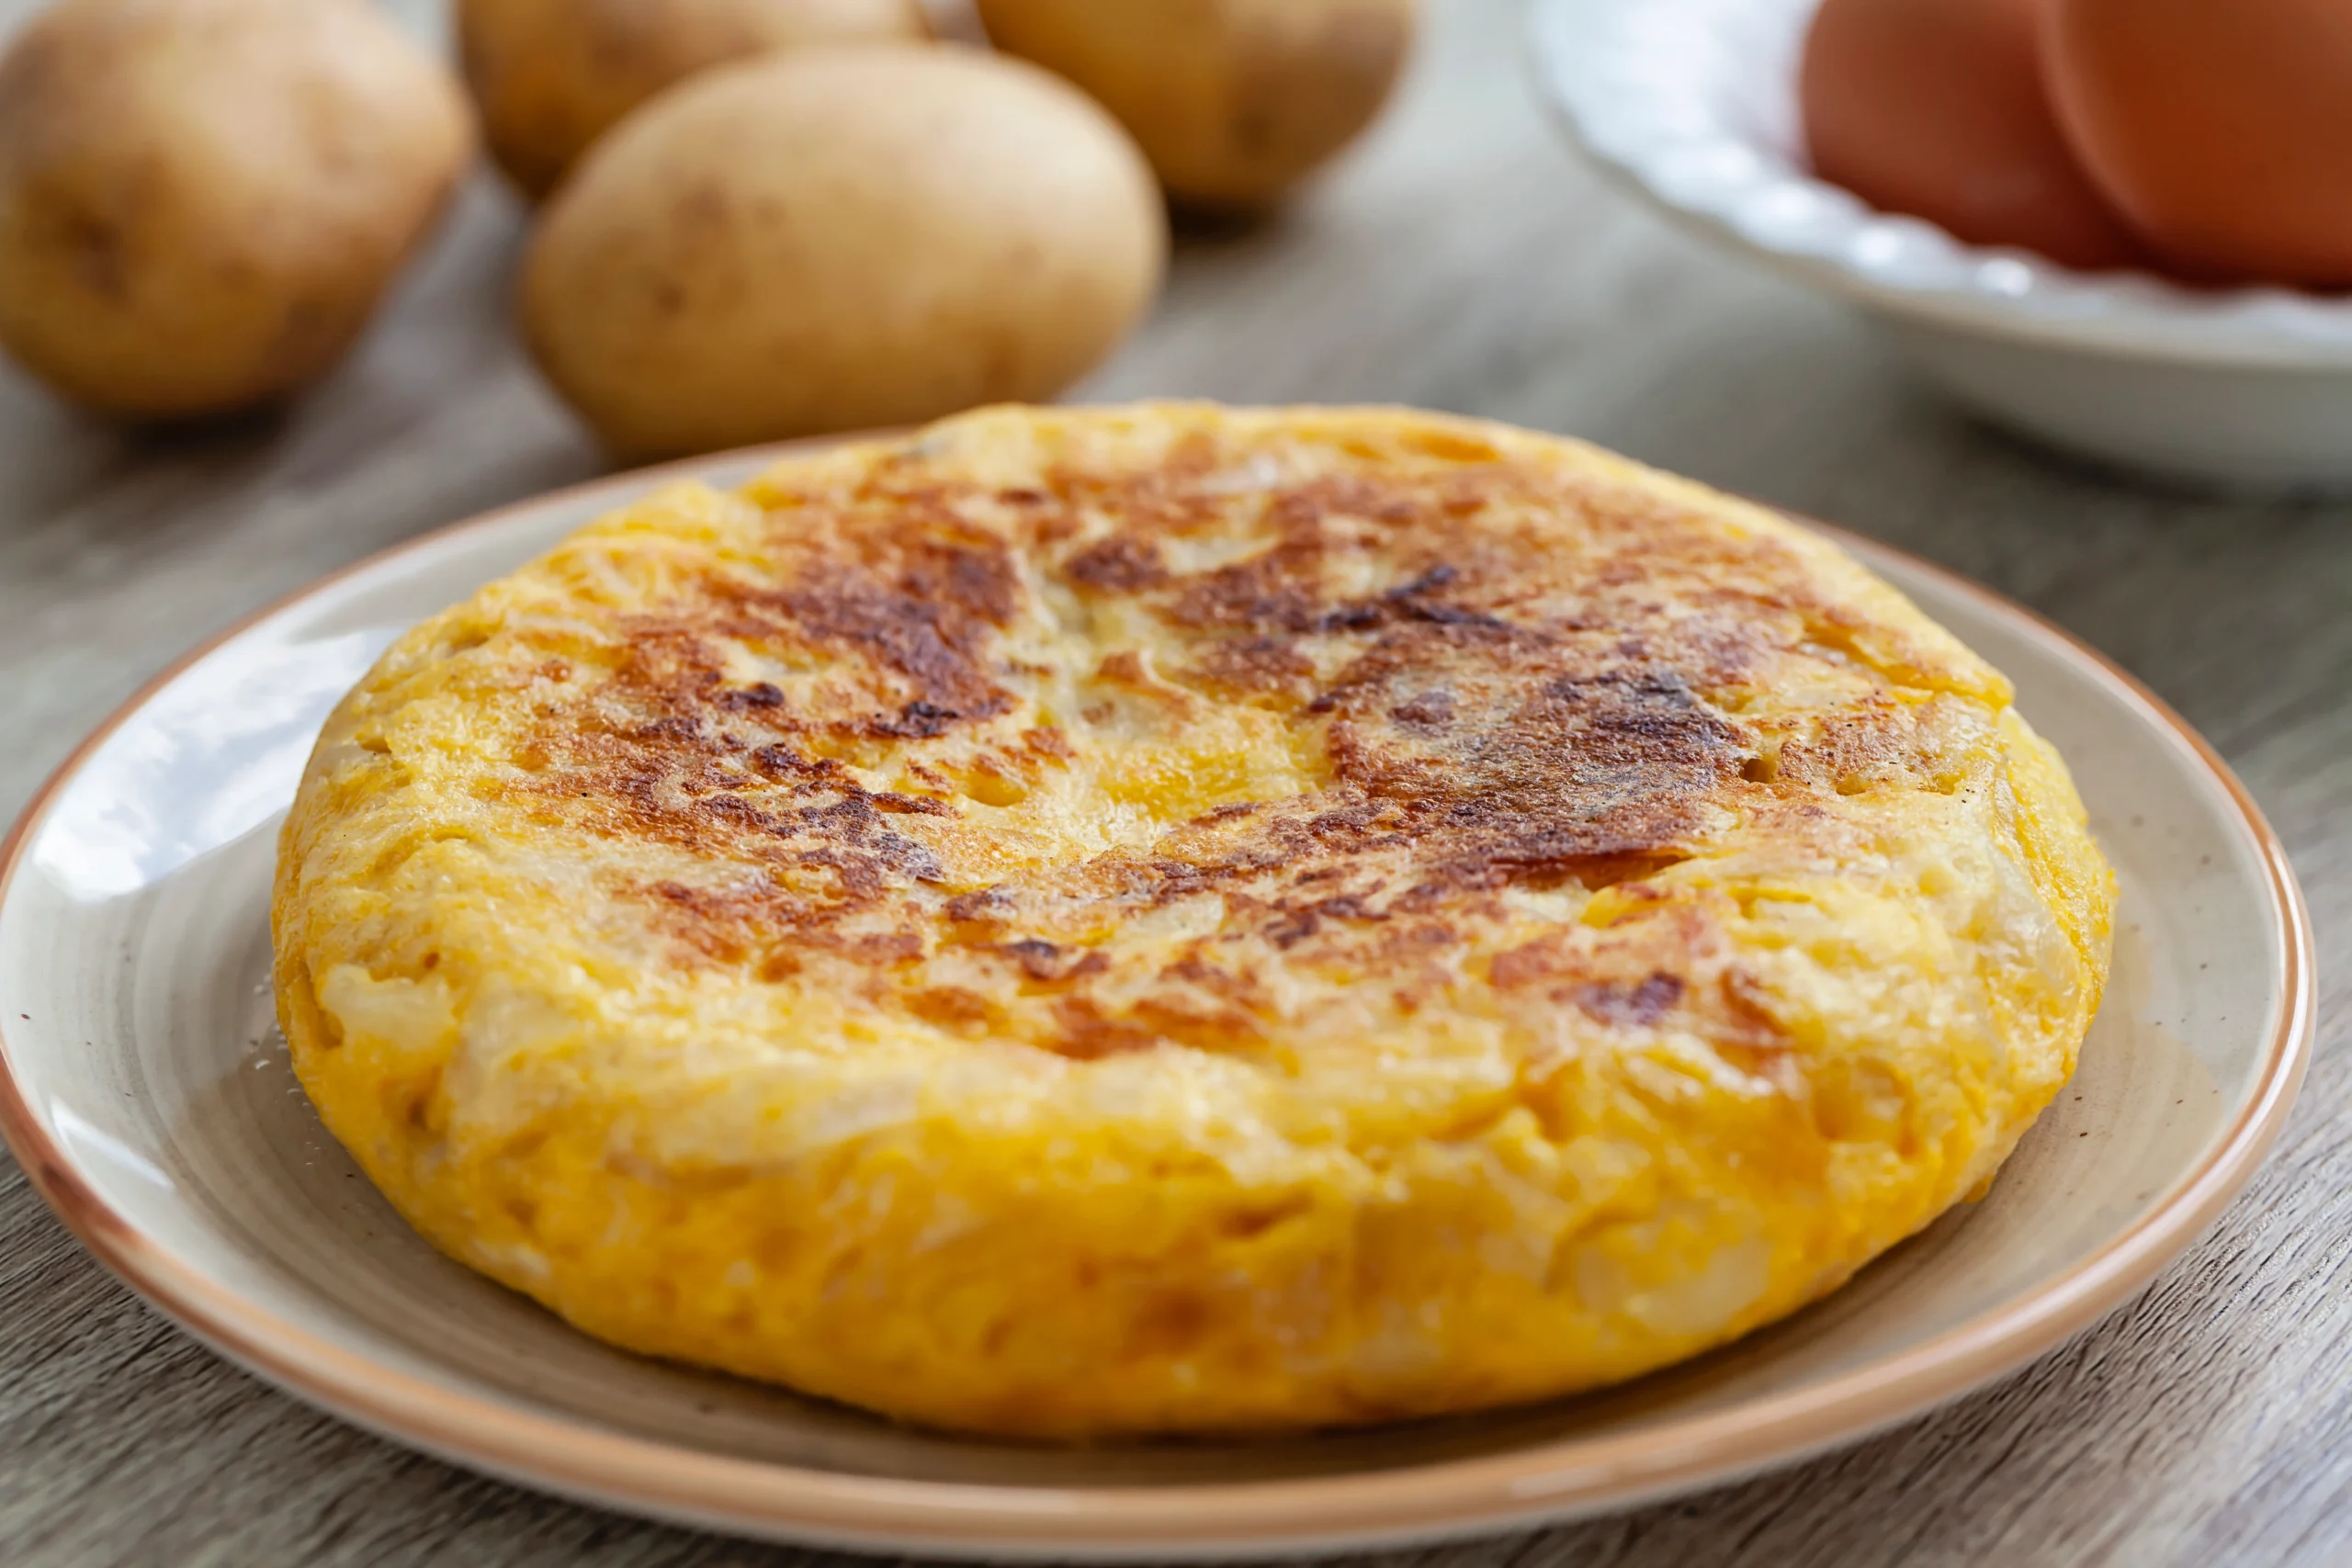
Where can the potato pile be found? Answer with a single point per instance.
(551, 76)
(202, 200)
(1233, 100)
(755, 218)
(835, 240)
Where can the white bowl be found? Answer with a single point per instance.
(1691, 104)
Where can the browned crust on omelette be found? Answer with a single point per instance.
(1503, 710)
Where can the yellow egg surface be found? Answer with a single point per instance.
(1172, 918)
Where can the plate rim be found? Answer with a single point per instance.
(1542, 1483)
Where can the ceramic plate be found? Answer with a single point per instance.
(147, 1096)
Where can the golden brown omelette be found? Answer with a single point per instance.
(1172, 918)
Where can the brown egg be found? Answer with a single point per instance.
(1935, 108)
(2221, 128)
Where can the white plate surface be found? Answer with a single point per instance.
(146, 1095)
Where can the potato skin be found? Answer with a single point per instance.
(551, 76)
(1234, 101)
(838, 239)
(201, 202)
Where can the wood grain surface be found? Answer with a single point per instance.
(1462, 260)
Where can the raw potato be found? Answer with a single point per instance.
(1233, 100)
(202, 200)
(549, 77)
(836, 239)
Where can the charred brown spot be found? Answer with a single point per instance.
(955, 1008)
(762, 694)
(1276, 591)
(1050, 963)
(1046, 743)
(1877, 744)
(935, 651)
(920, 720)
(1431, 710)
(1256, 666)
(1642, 1005)
(909, 805)
(1040, 960)
(885, 948)
(1088, 1034)
(987, 907)
(1126, 668)
(1560, 762)
(1120, 564)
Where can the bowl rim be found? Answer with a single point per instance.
(1747, 193)
(1538, 1484)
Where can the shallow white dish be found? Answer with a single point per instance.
(1691, 104)
(144, 1093)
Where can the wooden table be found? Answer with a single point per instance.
(1462, 260)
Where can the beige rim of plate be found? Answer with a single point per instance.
(1542, 1483)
